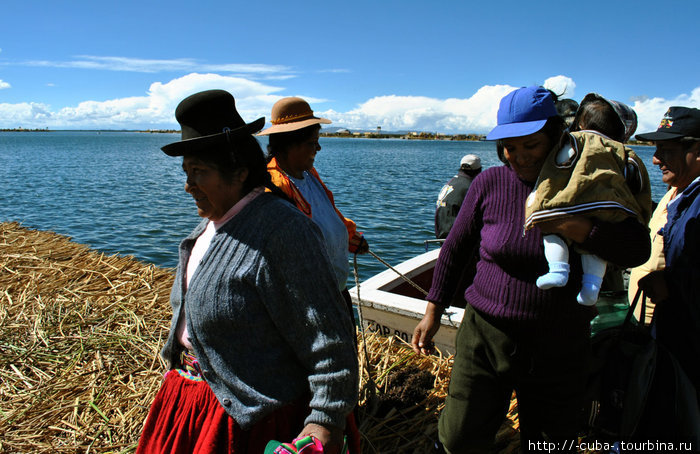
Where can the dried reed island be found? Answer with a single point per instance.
(414, 135)
(80, 334)
(20, 129)
(406, 135)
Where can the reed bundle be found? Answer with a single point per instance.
(80, 334)
(79, 339)
(412, 427)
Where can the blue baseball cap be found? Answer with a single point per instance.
(523, 112)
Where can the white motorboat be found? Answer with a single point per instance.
(388, 304)
(391, 306)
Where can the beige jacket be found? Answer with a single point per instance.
(656, 260)
(587, 176)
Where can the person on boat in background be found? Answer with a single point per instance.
(675, 289)
(514, 335)
(257, 348)
(292, 147)
(592, 174)
(452, 194)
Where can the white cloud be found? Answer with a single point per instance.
(278, 77)
(477, 114)
(474, 114)
(254, 98)
(27, 115)
(156, 110)
(562, 86)
(651, 110)
(334, 71)
(4, 84)
(153, 65)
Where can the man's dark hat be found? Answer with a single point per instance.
(678, 122)
(566, 107)
(207, 119)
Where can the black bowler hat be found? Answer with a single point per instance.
(207, 119)
(678, 122)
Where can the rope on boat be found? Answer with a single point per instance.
(404, 277)
(359, 308)
(370, 386)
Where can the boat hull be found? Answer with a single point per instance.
(390, 306)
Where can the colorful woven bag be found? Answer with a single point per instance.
(305, 445)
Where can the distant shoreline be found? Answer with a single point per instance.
(355, 135)
(150, 131)
(405, 136)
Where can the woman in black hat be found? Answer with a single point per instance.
(257, 349)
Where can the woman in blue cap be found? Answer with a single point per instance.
(514, 335)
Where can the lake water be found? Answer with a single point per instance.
(118, 193)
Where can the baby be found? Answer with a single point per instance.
(592, 174)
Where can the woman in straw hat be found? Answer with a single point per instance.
(292, 148)
(257, 349)
(514, 335)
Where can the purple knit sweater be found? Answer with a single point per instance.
(504, 287)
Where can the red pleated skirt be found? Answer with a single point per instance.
(186, 418)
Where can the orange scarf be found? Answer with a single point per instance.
(282, 181)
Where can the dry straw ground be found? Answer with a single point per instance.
(80, 333)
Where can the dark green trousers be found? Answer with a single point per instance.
(547, 372)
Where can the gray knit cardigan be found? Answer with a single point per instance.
(265, 317)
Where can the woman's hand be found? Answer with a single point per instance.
(654, 286)
(422, 340)
(330, 438)
(575, 228)
(363, 248)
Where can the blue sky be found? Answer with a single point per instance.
(402, 65)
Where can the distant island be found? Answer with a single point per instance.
(332, 133)
(410, 135)
(640, 143)
(340, 132)
(20, 129)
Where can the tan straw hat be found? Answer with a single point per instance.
(290, 114)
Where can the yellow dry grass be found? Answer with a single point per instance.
(79, 339)
(80, 334)
(408, 430)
